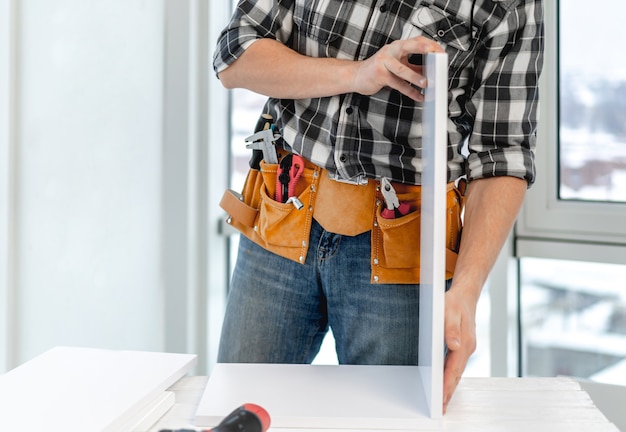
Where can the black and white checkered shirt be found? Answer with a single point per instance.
(495, 50)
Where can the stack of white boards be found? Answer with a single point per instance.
(78, 389)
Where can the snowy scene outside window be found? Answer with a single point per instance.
(592, 96)
(573, 319)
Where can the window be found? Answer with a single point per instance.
(573, 319)
(592, 101)
(579, 195)
(571, 236)
(246, 109)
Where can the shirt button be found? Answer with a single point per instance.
(343, 158)
(349, 110)
(383, 8)
(441, 33)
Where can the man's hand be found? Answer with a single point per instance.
(460, 338)
(390, 67)
(492, 204)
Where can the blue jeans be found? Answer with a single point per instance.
(279, 311)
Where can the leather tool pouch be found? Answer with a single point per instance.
(278, 227)
(396, 242)
(284, 230)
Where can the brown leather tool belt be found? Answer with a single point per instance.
(340, 208)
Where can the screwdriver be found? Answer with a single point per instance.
(247, 418)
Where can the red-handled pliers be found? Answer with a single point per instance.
(394, 208)
(290, 170)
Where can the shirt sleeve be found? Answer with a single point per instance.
(253, 20)
(506, 101)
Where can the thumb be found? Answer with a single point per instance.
(452, 334)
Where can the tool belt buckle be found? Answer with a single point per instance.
(359, 180)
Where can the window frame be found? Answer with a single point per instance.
(549, 227)
(8, 34)
(216, 134)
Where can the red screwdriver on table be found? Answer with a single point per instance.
(247, 418)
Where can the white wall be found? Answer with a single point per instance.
(106, 206)
(89, 135)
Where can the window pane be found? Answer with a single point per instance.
(592, 144)
(573, 319)
(246, 109)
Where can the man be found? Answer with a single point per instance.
(345, 91)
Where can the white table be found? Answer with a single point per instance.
(479, 404)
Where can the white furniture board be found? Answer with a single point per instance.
(479, 404)
(350, 397)
(319, 396)
(77, 389)
(433, 231)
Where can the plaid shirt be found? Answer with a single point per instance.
(495, 50)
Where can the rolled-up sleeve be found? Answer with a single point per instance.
(253, 20)
(506, 101)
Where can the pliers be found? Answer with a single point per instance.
(289, 172)
(395, 208)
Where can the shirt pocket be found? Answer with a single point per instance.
(322, 20)
(451, 31)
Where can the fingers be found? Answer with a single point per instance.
(453, 370)
(397, 63)
(454, 363)
(421, 45)
(460, 338)
(405, 80)
(406, 76)
(390, 67)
